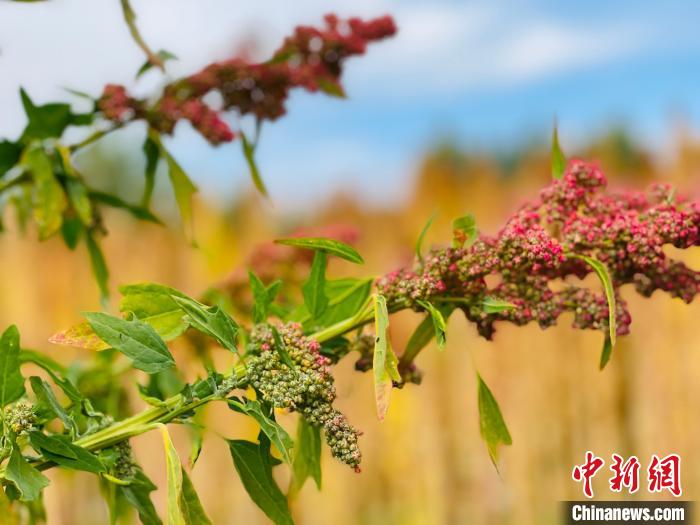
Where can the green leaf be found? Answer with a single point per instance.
(148, 65)
(493, 428)
(278, 435)
(384, 361)
(60, 450)
(8, 513)
(99, 266)
(330, 246)
(79, 199)
(210, 320)
(173, 469)
(307, 456)
(154, 304)
(26, 479)
(331, 87)
(45, 394)
(249, 154)
(10, 153)
(47, 121)
(464, 231)
(602, 272)
(139, 212)
(558, 160)
(421, 237)
(152, 153)
(606, 353)
(41, 360)
(253, 467)
(439, 325)
(262, 295)
(135, 339)
(190, 506)
(314, 288)
(138, 495)
(48, 198)
(71, 231)
(281, 349)
(11, 380)
(493, 305)
(345, 298)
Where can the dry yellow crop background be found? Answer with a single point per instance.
(425, 464)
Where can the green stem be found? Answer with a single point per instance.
(97, 135)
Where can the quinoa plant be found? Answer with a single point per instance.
(282, 347)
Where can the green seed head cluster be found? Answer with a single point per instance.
(125, 464)
(306, 387)
(20, 417)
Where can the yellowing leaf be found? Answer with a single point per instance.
(79, 336)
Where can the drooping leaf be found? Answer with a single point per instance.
(99, 266)
(464, 231)
(152, 153)
(307, 456)
(44, 393)
(606, 353)
(154, 304)
(254, 469)
(49, 200)
(439, 325)
(28, 481)
(139, 212)
(493, 305)
(137, 493)
(330, 246)
(558, 160)
(421, 237)
(277, 435)
(60, 450)
(190, 506)
(11, 380)
(10, 153)
(184, 188)
(602, 272)
(79, 336)
(493, 428)
(383, 364)
(41, 360)
(173, 469)
(314, 289)
(135, 339)
(71, 231)
(80, 200)
(210, 320)
(249, 154)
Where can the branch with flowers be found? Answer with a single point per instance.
(284, 347)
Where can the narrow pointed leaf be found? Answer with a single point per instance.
(278, 436)
(314, 289)
(493, 305)
(330, 246)
(249, 154)
(99, 266)
(558, 160)
(493, 428)
(602, 272)
(606, 353)
(384, 366)
(439, 325)
(11, 380)
(307, 456)
(421, 237)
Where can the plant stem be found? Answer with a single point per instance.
(97, 135)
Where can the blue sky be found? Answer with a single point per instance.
(494, 74)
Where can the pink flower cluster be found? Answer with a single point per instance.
(311, 59)
(530, 262)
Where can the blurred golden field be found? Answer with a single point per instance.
(425, 464)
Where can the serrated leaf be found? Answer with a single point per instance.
(330, 246)
(249, 155)
(263, 296)
(48, 199)
(47, 121)
(135, 339)
(28, 481)
(493, 305)
(60, 450)
(79, 336)
(421, 237)
(314, 288)
(439, 325)
(154, 304)
(277, 435)
(11, 380)
(464, 231)
(210, 320)
(493, 428)
(558, 160)
(307, 456)
(254, 469)
(384, 365)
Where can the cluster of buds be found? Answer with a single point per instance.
(534, 261)
(124, 464)
(306, 387)
(20, 417)
(311, 59)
